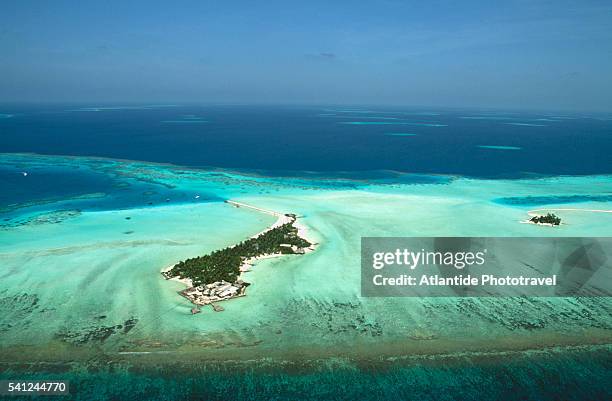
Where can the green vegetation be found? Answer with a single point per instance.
(225, 264)
(550, 218)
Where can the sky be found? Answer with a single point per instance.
(520, 54)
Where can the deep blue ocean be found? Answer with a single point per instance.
(354, 141)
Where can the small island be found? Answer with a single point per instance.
(216, 276)
(549, 219)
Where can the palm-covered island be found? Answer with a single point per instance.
(549, 218)
(216, 276)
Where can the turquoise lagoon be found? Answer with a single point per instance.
(81, 295)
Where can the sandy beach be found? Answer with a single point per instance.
(281, 219)
(185, 281)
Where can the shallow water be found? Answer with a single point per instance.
(80, 286)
